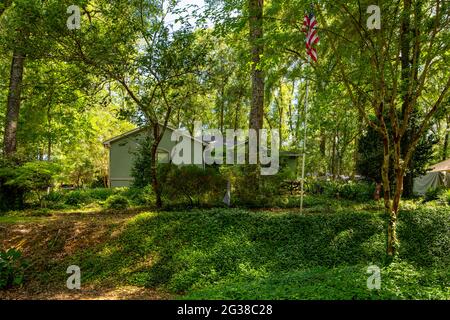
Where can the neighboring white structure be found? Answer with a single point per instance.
(439, 176)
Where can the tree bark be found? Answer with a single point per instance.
(257, 49)
(446, 139)
(392, 224)
(49, 133)
(333, 156)
(410, 52)
(280, 108)
(13, 104)
(222, 106)
(236, 115)
(323, 142)
(154, 164)
(157, 136)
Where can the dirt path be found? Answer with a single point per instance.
(120, 293)
(51, 239)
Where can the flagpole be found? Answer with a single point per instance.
(304, 142)
(312, 38)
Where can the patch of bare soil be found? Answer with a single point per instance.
(90, 293)
(54, 238)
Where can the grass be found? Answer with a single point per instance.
(240, 254)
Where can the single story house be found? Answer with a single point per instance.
(122, 149)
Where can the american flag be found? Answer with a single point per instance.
(309, 28)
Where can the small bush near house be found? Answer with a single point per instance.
(140, 196)
(250, 189)
(445, 197)
(357, 191)
(99, 193)
(12, 268)
(77, 197)
(117, 202)
(54, 197)
(192, 185)
(432, 194)
(11, 197)
(29, 178)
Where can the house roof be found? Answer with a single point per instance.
(235, 143)
(123, 135)
(442, 166)
(140, 129)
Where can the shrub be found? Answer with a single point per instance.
(141, 170)
(140, 196)
(57, 199)
(137, 196)
(12, 268)
(192, 183)
(11, 197)
(356, 191)
(99, 193)
(117, 202)
(370, 156)
(77, 197)
(432, 194)
(30, 177)
(445, 197)
(251, 189)
(54, 197)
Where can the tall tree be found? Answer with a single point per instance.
(256, 8)
(21, 34)
(13, 104)
(445, 146)
(389, 100)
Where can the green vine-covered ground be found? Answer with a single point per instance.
(240, 254)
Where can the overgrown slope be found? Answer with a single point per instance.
(224, 253)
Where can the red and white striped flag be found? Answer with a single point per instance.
(309, 28)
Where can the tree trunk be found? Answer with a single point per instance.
(392, 242)
(290, 116)
(408, 182)
(222, 106)
(356, 144)
(13, 104)
(280, 102)
(154, 165)
(236, 116)
(49, 137)
(333, 156)
(446, 138)
(323, 142)
(257, 49)
(392, 224)
(408, 36)
(280, 126)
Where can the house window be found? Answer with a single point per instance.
(163, 157)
